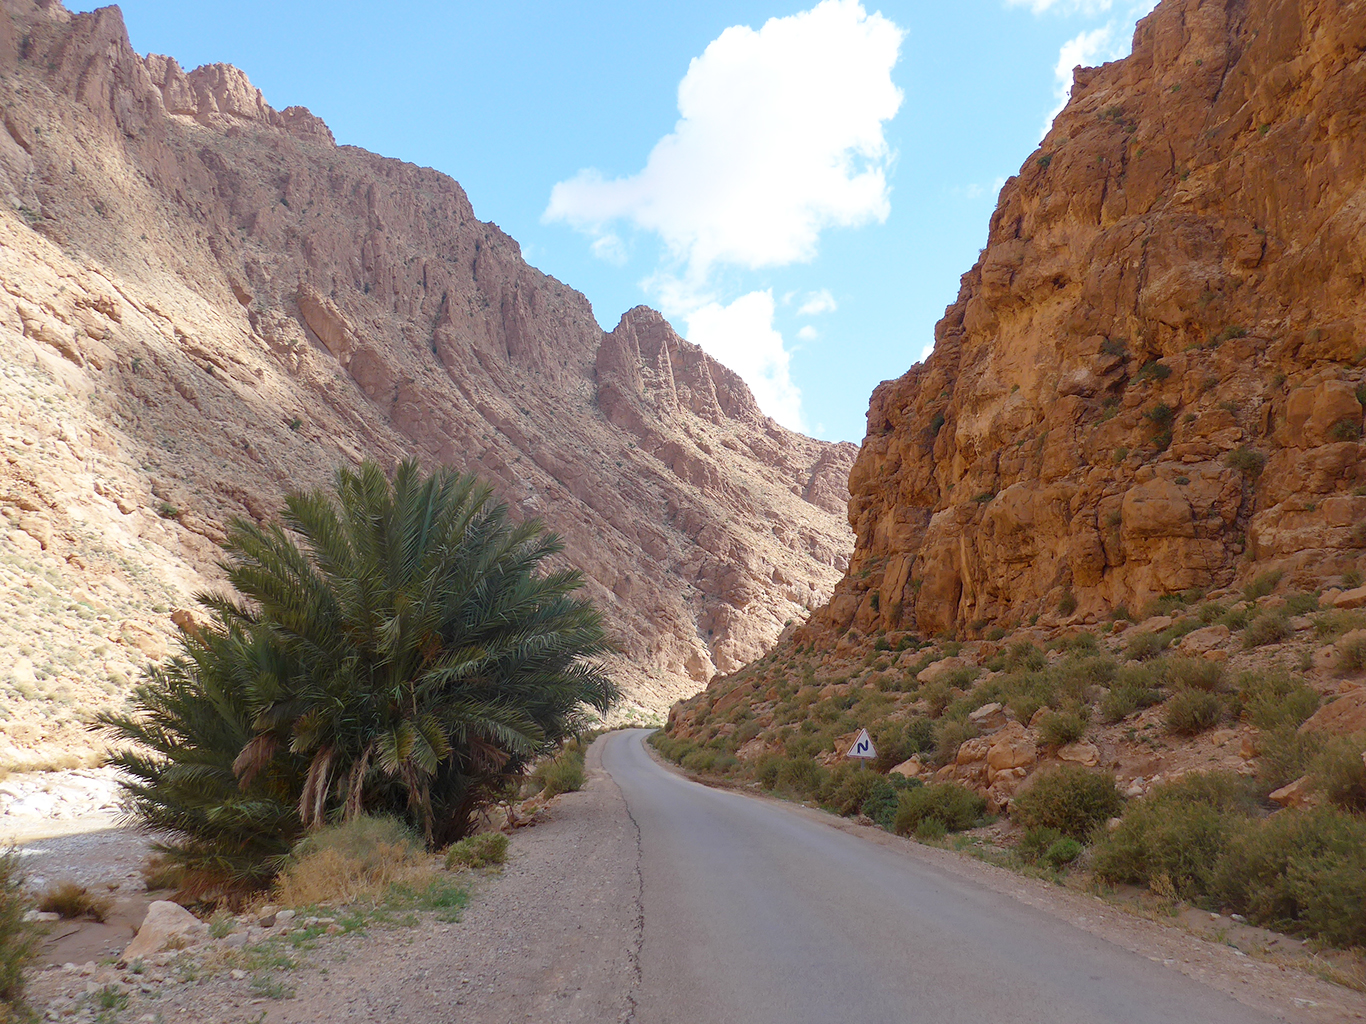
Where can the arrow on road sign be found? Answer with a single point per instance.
(863, 746)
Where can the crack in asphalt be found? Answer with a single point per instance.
(638, 925)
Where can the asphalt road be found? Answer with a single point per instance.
(755, 913)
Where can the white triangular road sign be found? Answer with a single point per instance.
(863, 746)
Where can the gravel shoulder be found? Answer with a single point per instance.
(553, 936)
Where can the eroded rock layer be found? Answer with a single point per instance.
(207, 302)
(1152, 380)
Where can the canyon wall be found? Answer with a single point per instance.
(1152, 379)
(205, 303)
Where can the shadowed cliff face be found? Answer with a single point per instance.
(207, 303)
(1152, 379)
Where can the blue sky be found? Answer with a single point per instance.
(806, 220)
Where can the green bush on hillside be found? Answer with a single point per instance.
(1059, 728)
(1301, 871)
(1069, 799)
(1283, 755)
(1191, 712)
(1268, 628)
(1339, 772)
(953, 806)
(1272, 700)
(1177, 833)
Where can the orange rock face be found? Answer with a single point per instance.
(1152, 380)
(206, 302)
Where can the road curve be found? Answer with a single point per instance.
(754, 913)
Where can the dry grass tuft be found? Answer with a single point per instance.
(72, 900)
(358, 860)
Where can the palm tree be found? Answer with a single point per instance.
(189, 721)
(404, 645)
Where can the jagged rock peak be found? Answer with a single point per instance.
(207, 303)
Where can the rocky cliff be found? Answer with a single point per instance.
(207, 302)
(1152, 380)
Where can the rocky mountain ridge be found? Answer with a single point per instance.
(206, 302)
(1153, 379)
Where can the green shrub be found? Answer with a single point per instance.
(1059, 728)
(1301, 603)
(1195, 674)
(1235, 619)
(1345, 430)
(882, 801)
(1135, 687)
(1301, 871)
(1026, 692)
(1339, 772)
(1063, 852)
(1246, 461)
(1191, 712)
(1143, 646)
(1266, 629)
(955, 807)
(1036, 842)
(1271, 700)
(478, 851)
(18, 939)
(1211, 612)
(800, 777)
(1024, 655)
(849, 787)
(1329, 626)
(1075, 678)
(1283, 755)
(1177, 833)
(949, 735)
(896, 740)
(563, 773)
(353, 860)
(1262, 585)
(930, 830)
(1070, 799)
(1352, 655)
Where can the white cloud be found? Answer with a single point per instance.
(611, 248)
(780, 136)
(1085, 49)
(808, 333)
(1091, 7)
(817, 303)
(976, 191)
(742, 336)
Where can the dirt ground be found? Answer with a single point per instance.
(555, 936)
